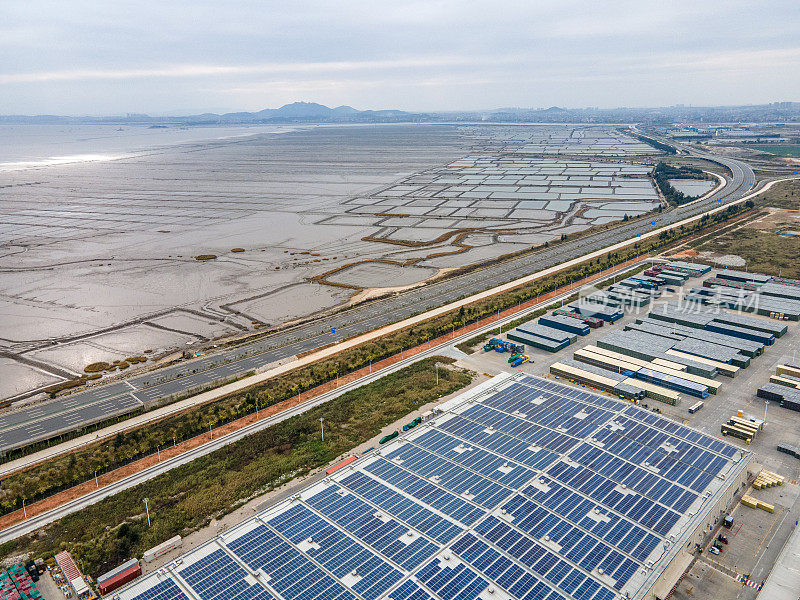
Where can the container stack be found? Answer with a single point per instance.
(24, 587)
(8, 590)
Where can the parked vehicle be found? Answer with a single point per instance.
(722, 539)
(714, 550)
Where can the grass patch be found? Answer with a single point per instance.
(785, 194)
(764, 251)
(188, 497)
(778, 149)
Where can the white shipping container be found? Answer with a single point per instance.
(160, 550)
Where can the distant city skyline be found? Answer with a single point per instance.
(87, 58)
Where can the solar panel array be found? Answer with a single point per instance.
(523, 488)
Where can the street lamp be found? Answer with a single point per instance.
(147, 508)
(97, 485)
(322, 427)
(437, 373)
(158, 450)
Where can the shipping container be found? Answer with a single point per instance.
(696, 407)
(536, 341)
(606, 362)
(742, 276)
(721, 367)
(746, 334)
(792, 383)
(786, 396)
(736, 432)
(671, 382)
(776, 329)
(340, 465)
(116, 578)
(590, 309)
(564, 324)
(162, 549)
(550, 333)
(747, 347)
(744, 423)
(606, 383)
(789, 449)
(656, 392)
(693, 268)
(788, 370)
(780, 291)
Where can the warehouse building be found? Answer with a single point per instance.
(521, 488)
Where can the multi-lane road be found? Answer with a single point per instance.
(49, 419)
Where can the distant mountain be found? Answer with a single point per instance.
(304, 110)
(311, 112)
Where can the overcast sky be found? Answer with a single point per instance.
(180, 56)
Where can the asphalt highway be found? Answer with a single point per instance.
(50, 419)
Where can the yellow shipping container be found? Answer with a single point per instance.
(767, 507)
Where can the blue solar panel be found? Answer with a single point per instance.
(533, 487)
(163, 590)
(218, 577)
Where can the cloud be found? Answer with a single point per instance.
(153, 56)
(195, 70)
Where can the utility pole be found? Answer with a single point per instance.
(437, 373)
(147, 508)
(158, 450)
(24, 511)
(322, 427)
(97, 485)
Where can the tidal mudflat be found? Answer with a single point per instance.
(99, 259)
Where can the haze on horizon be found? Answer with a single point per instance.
(181, 57)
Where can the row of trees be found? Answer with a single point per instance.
(664, 172)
